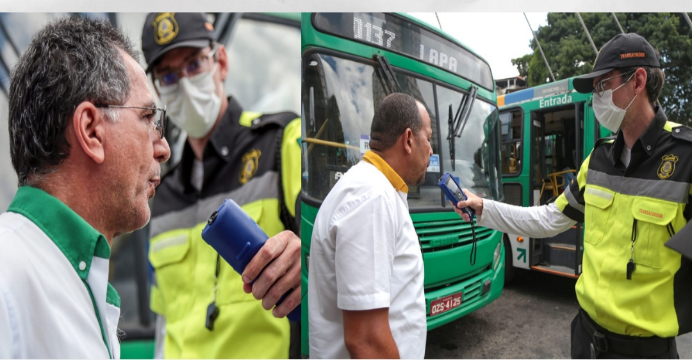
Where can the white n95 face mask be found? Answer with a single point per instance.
(194, 107)
(607, 113)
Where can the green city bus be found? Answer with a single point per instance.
(547, 132)
(350, 62)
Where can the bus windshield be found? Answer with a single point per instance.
(340, 94)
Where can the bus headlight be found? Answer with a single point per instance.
(496, 255)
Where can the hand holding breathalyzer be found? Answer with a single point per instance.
(472, 201)
(279, 255)
(465, 204)
(270, 267)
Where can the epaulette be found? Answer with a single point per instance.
(682, 133)
(281, 119)
(605, 140)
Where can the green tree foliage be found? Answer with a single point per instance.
(570, 53)
(522, 64)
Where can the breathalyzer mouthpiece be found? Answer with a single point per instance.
(212, 218)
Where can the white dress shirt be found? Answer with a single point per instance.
(365, 255)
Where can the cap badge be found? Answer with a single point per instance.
(165, 28)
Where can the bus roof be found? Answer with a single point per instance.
(537, 92)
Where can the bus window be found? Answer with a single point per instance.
(337, 89)
(513, 194)
(427, 194)
(476, 170)
(511, 124)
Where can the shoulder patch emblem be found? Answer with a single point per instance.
(667, 167)
(249, 167)
(165, 28)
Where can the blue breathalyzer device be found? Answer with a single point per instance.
(237, 238)
(453, 191)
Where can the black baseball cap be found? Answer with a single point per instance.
(166, 31)
(624, 50)
(682, 241)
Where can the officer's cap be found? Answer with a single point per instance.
(166, 31)
(624, 50)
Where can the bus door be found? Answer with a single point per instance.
(556, 155)
(514, 184)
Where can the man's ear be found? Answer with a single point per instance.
(89, 126)
(222, 58)
(408, 140)
(640, 81)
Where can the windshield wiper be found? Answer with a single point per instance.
(450, 138)
(387, 74)
(458, 122)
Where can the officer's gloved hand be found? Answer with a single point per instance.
(278, 261)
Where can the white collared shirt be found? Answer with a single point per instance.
(365, 255)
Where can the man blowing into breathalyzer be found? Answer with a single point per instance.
(632, 194)
(86, 141)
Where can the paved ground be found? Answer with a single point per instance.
(530, 320)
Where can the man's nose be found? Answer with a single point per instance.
(162, 152)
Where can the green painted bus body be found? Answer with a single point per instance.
(137, 349)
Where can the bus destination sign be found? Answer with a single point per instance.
(397, 34)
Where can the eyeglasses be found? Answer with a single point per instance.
(600, 86)
(160, 121)
(168, 81)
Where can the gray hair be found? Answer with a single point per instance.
(396, 113)
(69, 61)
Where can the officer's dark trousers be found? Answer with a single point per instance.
(601, 343)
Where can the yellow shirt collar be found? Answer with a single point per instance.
(387, 170)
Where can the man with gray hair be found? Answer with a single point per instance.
(86, 142)
(366, 267)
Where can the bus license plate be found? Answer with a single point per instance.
(445, 304)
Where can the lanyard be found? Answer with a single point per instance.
(212, 310)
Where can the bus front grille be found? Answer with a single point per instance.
(447, 234)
